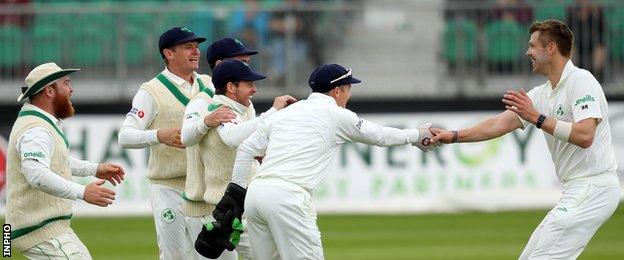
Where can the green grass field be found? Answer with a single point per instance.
(432, 236)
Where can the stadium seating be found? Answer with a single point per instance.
(615, 32)
(460, 35)
(47, 42)
(504, 41)
(10, 46)
(556, 9)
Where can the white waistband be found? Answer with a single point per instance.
(603, 178)
(278, 182)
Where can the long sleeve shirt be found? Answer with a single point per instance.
(232, 133)
(133, 132)
(301, 141)
(36, 147)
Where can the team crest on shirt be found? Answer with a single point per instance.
(560, 113)
(168, 215)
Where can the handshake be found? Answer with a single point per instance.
(425, 140)
(225, 231)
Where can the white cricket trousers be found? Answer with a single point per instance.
(65, 246)
(585, 205)
(281, 221)
(194, 225)
(170, 223)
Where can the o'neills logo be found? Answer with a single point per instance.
(587, 98)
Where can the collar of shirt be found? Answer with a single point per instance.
(179, 82)
(565, 74)
(238, 108)
(323, 97)
(28, 106)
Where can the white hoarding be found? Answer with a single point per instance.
(511, 172)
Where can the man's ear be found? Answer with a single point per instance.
(229, 87)
(168, 53)
(49, 91)
(552, 48)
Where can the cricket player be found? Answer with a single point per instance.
(300, 142)
(194, 128)
(571, 109)
(155, 121)
(40, 190)
(234, 82)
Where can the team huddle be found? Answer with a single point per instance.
(225, 183)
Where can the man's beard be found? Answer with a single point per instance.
(63, 107)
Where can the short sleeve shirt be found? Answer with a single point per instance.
(577, 96)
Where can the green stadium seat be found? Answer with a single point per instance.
(201, 23)
(92, 38)
(460, 35)
(615, 32)
(10, 46)
(47, 43)
(504, 41)
(136, 46)
(88, 43)
(551, 9)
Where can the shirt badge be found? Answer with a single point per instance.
(560, 113)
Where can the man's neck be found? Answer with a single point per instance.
(45, 106)
(185, 75)
(233, 98)
(557, 70)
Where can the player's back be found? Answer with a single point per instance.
(302, 141)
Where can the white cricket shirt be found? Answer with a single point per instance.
(301, 141)
(577, 96)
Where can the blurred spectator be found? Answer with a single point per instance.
(587, 23)
(505, 34)
(304, 45)
(516, 10)
(22, 20)
(250, 24)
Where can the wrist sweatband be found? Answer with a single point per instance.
(562, 130)
(455, 136)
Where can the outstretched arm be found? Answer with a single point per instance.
(490, 128)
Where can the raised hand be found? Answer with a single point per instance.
(283, 101)
(170, 137)
(520, 103)
(110, 172)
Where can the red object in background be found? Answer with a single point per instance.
(3, 162)
(22, 20)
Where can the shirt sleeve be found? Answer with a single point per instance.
(82, 168)
(133, 133)
(193, 126)
(35, 147)
(36, 144)
(531, 95)
(351, 128)
(586, 98)
(233, 134)
(255, 145)
(42, 178)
